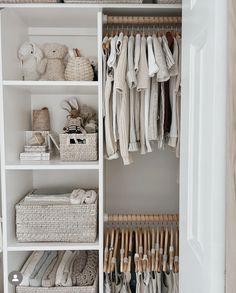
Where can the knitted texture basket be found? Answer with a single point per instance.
(79, 147)
(104, 1)
(85, 289)
(41, 120)
(56, 222)
(79, 68)
(29, 1)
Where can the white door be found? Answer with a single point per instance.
(202, 174)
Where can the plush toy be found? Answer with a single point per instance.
(80, 119)
(30, 56)
(52, 66)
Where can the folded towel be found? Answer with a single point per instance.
(49, 278)
(29, 267)
(79, 265)
(80, 196)
(60, 198)
(45, 281)
(44, 263)
(64, 272)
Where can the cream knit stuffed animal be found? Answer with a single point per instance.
(52, 66)
(30, 56)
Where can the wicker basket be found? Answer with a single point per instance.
(79, 68)
(86, 289)
(78, 147)
(28, 1)
(41, 120)
(104, 1)
(56, 222)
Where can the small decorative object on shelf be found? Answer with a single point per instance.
(30, 56)
(37, 146)
(65, 217)
(78, 67)
(79, 142)
(52, 66)
(41, 120)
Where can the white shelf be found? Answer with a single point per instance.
(52, 165)
(54, 87)
(53, 246)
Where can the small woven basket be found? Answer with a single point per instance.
(78, 147)
(79, 68)
(85, 289)
(41, 120)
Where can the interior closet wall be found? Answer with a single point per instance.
(149, 185)
(231, 192)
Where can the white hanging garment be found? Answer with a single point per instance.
(121, 87)
(175, 68)
(137, 114)
(153, 114)
(144, 88)
(173, 135)
(137, 52)
(131, 76)
(152, 66)
(159, 285)
(119, 43)
(163, 72)
(161, 117)
(169, 281)
(175, 283)
(111, 62)
(111, 147)
(132, 83)
(167, 52)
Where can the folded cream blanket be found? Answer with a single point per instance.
(49, 278)
(29, 266)
(81, 196)
(41, 267)
(64, 271)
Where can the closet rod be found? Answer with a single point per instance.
(141, 218)
(135, 20)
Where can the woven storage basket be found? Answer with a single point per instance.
(86, 289)
(29, 1)
(78, 147)
(41, 120)
(168, 1)
(104, 1)
(56, 222)
(79, 68)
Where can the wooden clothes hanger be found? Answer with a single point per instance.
(130, 250)
(122, 250)
(114, 256)
(126, 260)
(171, 250)
(111, 250)
(106, 252)
(136, 257)
(157, 264)
(176, 259)
(160, 265)
(140, 266)
(165, 250)
(153, 249)
(145, 256)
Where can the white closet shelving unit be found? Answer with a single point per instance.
(151, 184)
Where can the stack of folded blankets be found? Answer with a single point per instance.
(60, 269)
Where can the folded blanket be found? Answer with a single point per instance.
(40, 269)
(79, 265)
(88, 275)
(60, 198)
(49, 278)
(64, 272)
(29, 267)
(80, 196)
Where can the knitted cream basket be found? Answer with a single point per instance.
(79, 68)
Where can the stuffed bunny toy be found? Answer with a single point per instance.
(30, 56)
(80, 119)
(74, 121)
